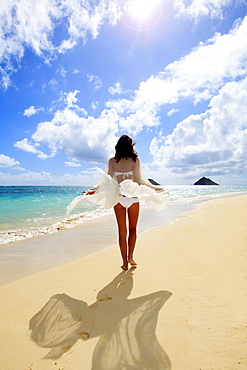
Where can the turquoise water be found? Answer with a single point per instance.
(22, 204)
(26, 211)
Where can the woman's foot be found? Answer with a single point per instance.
(132, 262)
(125, 266)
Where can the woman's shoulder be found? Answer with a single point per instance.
(137, 161)
(112, 160)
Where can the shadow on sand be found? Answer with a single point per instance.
(126, 327)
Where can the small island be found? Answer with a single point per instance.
(153, 182)
(205, 181)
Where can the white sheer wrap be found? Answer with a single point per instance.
(108, 192)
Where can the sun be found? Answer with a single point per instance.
(141, 9)
(141, 14)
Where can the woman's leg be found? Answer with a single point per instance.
(133, 214)
(120, 213)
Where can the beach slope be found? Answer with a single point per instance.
(184, 307)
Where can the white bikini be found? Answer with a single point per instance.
(124, 174)
(126, 202)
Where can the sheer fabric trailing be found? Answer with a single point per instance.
(108, 191)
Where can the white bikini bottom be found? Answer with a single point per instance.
(126, 202)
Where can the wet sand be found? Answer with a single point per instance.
(39, 253)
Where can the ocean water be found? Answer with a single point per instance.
(27, 211)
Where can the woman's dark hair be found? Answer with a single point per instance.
(124, 149)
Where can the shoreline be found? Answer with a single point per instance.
(191, 275)
(42, 223)
(26, 257)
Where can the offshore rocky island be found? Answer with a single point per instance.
(205, 181)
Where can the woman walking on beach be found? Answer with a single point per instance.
(122, 187)
(125, 166)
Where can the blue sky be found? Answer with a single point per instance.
(76, 75)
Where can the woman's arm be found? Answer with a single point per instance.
(110, 170)
(89, 192)
(137, 171)
(141, 178)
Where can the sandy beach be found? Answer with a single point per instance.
(184, 307)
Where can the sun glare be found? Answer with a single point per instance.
(141, 9)
(141, 14)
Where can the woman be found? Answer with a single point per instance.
(124, 166)
(121, 187)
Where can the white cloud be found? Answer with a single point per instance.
(6, 161)
(31, 111)
(211, 143)
(134, 123)
(71, 98)
(202, 72)
(5, 77)
(96, 80)
(117, 89)
(53, 83)
(88, 17)
(121, 105)
(66, 45)
(28, 24)
(45, 178)
(31, 24)
(94, 105)
(26, 146)
(62, 71)
(72, 164)
(197, 76)
(172, 111)
(26, 178)
(202, 8)
(84, 139)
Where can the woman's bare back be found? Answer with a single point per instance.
(123, 169)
